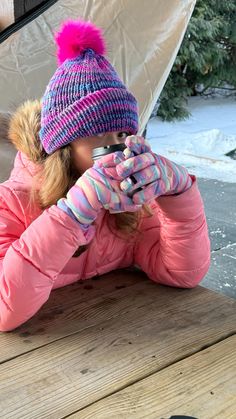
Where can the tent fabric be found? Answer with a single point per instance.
(14, 14)
(143, 39)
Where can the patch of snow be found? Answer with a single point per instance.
(200, 142)
(229, 256)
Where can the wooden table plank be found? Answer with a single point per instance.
(73, 308)
(202, 385)
(85, 304)
(69, 374)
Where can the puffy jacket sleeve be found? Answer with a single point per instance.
(174, 248)
(31, 258)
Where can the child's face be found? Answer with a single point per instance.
(82, 147)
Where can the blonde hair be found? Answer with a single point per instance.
(56, 174)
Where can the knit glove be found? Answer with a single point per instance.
(153, 175)
(97, 188)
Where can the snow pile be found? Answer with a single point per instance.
(201, 142)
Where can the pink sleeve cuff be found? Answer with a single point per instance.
(85, 236)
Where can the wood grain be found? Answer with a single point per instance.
(114, 350)
(202, 385)
(79, 306)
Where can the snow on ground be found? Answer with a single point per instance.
(200, 142)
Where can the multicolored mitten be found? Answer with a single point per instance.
(154, 174)
(97, 188)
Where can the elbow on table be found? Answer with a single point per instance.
(6, 325)
(193, 278)
(181, 279)
(9, 319)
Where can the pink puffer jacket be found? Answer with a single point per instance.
(36, 247)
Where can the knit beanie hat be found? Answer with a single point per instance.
(85, 96)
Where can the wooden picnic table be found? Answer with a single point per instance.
(121, 346)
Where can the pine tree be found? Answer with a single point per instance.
(207, 57)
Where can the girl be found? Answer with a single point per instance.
(63, 218)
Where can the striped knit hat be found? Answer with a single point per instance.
(85, 96)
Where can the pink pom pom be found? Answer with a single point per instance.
(75, 36)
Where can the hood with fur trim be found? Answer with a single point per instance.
(19, 132)
(24, 129)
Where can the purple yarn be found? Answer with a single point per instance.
(85, 97)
